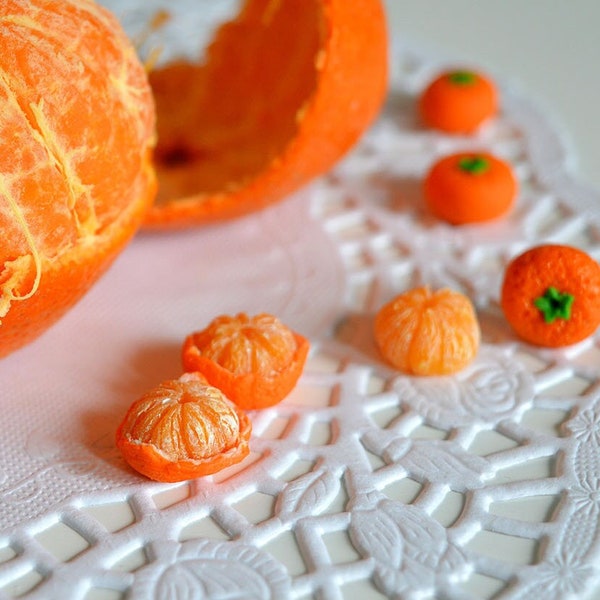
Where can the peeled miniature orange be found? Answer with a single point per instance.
(256, 361)
(551, 295)
(458, 101)
(182, 429)
(287, 88)
(422, 332)
(77, 130)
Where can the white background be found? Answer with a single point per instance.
(549, 50)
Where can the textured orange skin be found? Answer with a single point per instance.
(460, 197)
(77, 129)
(421, 332)
(250, 391)
(530, 274)
(266, 120)
(458, 109)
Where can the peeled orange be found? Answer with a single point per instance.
(255, 360)
(425, 332)
(181, 429)
(286, 88)
(77, 125)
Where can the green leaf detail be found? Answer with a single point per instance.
(475, 165)
(555, 305)
(462, 78)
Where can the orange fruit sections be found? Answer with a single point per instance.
(458, 102)
(182, 429)
(77, 130)
(470, 188)
(421, 332)
(256, 361)
(286, 89)
(551, 295)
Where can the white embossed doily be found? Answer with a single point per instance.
(363, 483)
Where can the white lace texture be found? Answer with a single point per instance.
(363, 483)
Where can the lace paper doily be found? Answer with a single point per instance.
(363, 483)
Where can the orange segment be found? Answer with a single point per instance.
(77, 121)
(287, 88)
(551, 295)
(422, 332)
(183, 428)
(256, 361)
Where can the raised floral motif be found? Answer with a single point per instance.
(493, 388)
(211, 570)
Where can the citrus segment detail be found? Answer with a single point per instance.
(256, 361)
(424, 332)
(76, 178)
(183, 428)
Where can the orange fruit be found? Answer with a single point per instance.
(421, 332)
(77, 124)
(458, 101)
(551, 295)
(256, 361)
(183, 428)
(286, 89)
(470, 187)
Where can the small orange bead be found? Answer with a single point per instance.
(458, 102)
(470, 188)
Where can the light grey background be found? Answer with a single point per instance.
(549, 49)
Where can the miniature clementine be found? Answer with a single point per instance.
(421, 332)
(551, 295)
(470, 188)
(77, 126)
(458, 101)
(256, 361)
(184, 428)
(286, 89)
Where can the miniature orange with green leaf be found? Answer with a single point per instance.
(551, 295)
(424, 332)
(470, 187)
(458, 101)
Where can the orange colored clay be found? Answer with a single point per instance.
(287, 88)
(458, 101)
(256, 361)
(551, 295)
(470, 188)
(77, 130)
(182, 429)
(421, 332)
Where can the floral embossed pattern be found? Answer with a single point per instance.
(363, 482)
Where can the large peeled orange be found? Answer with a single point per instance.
(76, 175)
(286, 88)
